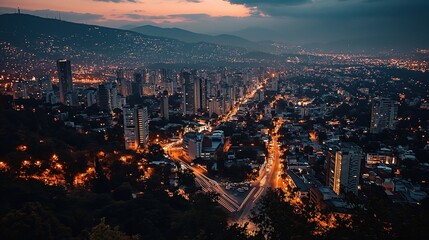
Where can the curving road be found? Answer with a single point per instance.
(269, 177)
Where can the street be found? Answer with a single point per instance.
(269, 177)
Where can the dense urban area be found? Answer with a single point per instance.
(304, 146)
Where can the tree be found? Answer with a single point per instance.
(236, 232)
(155, 152)
(100, 182)
(32, 221)
(123, 192)
(104, 231)
(187, 178)
(276, 218)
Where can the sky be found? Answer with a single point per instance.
(403, 22)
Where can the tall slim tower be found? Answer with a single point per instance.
(384, 115)
(347, 169)
(64, 78)
(104, 98)
(188, 93)
(197, 94)
(136, 127)
(164, 106)
(137, 84)
(143, 126)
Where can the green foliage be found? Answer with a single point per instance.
(104, 231)
(32, 221)
(153, 215)
(154, 152)
(187, 178)
(276, 218)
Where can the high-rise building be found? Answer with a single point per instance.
(143, 126)
(91, 97)
(124, 87)
(137, 85)
(384, 115)
(136, 127)
(330, 166)
(113, 87)
(164, 106)
(200, 95)
(347, 169)
(215, 106)
(197, 95)
(104, 99)
(64, 79)
(204, 94)
(188, 103)
(108, 98)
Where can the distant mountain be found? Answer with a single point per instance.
(31, 40)
(258, 34)
(192, 37)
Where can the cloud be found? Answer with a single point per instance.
(193, 1)
(270, 2)
(166, 18)
(116, 1)
(195, 16)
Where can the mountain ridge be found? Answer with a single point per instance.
(43, 39)
(193, 37)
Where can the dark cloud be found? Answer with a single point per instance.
(116, 1)
(191, 16)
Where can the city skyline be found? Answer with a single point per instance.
(114, 129)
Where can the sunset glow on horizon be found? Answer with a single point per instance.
(156, 11)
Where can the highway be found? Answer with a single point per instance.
(207, 184)
(269, 177)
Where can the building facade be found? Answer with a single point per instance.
(164, 106)
(64, 79)
(383, 115)
(193, 144)
(136, 127)
(347, 169)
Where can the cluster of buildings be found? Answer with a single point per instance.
(200, 92)
(213, 93)
(315, 94)
(203, 145)
(325, 159)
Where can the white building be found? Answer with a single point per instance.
(136, 127)
(193, 144)
(347, 169)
